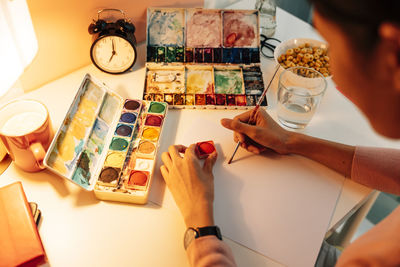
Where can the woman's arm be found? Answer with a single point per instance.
(378, 168)
(267, 134)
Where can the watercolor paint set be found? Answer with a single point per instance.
(204, 86)
(203, 58)
(108, 144)
(198, 35)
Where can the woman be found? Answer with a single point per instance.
(364, 39)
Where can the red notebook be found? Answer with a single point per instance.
(19, 238)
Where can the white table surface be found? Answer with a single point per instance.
(79, 230)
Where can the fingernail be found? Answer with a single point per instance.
(225, 121)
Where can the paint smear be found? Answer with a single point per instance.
(165, 27)
(199, 81)
(240, 29)
(95, 143)
(76, 127)
(110, 106)
(165, 81)
(82, 173)
(203, 29)
(228, 82)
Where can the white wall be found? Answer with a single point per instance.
(64, 42)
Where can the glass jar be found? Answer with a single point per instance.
(267, 15)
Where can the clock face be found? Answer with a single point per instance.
(113, 54)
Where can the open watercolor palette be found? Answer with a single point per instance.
(203, 35)
(203, 58)
(108, 144)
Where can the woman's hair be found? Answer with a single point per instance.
(360, 19)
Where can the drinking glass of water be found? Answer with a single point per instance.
(267, 16)
(299, 93)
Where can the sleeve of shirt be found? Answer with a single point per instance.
(210, 251)
(378, 168)
(380, 246)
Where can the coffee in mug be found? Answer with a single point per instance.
(26, 132)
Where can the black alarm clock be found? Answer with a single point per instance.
(114, 44)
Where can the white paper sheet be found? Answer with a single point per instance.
(279, 206)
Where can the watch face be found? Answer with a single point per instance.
(190, 235)
(113, 54)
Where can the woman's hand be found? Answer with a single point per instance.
(191, 183)
(265, 133)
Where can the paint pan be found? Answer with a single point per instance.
(208, 55)
(210, 99)
(190, 100)
(146, 148)
(200, 99)
(169, 99)
(156, 107)
(220, 99)
(217, 55)
(119, 144)
(150, 133)
(204, 149)
(179, 99)
(189, 56)
(128, 117)
(151, 54)
(144, 164)
(179, 54)
(154, 120)
(124, 130)
(115, 159)
(132, 105)
(241, 100)
(109, 176)
(198, 55)
(160, 54)
(137, 180)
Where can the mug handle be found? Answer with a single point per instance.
(39, 153)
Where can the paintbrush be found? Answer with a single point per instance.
(253, 113)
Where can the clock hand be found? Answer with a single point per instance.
(112, 55)
(113, 47)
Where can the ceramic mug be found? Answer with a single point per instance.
(26, 132)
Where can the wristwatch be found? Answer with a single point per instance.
(193, 233)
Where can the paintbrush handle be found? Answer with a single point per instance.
(234, 152)
(254, 111)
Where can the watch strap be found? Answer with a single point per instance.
(209, 230)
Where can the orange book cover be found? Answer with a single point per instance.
(20, 242)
